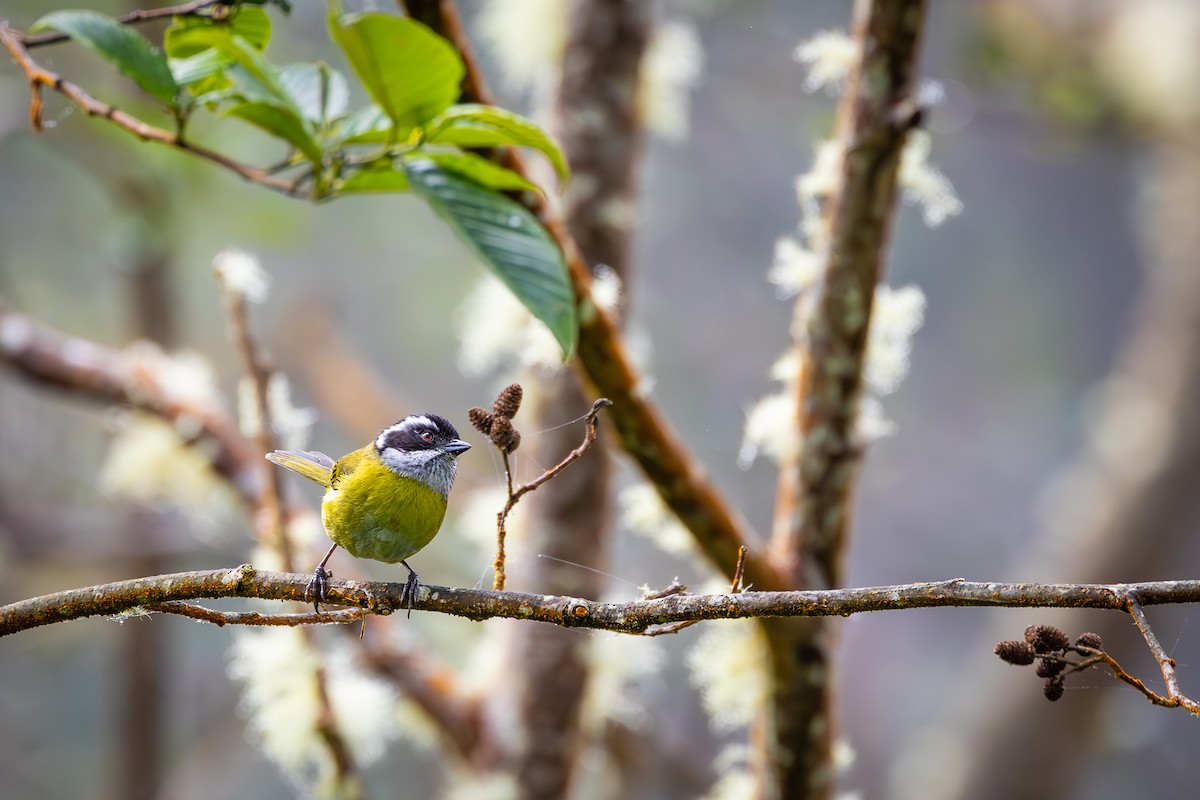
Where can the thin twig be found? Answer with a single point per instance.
(339, 616)
(39, 77)
(132, 18)
(271, 517)
(515, 494)
(256, 370)
(1167, 664)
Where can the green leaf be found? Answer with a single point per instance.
(282, 121)
(185, 36)
(370, 125)
(510, 241)
(477, 169)
(410, 71)
(376, 179)
(319, 92)
(475, 125)
(196, 68)
(122, 47)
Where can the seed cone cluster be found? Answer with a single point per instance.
(1049, 647)
(497, 423)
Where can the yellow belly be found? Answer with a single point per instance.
(373, 513)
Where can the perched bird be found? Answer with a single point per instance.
(386, 500)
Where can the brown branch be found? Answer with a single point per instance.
(132, 18)
(606, 363)
(339, 616)
(1175, 697)
(123, 377)
(38, 77)
(830, 330)
(634, 617)
(431, 685)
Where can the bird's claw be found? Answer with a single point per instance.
(318, 588)
(410, 590)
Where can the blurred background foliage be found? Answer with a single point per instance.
(1053, 128)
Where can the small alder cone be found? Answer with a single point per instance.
(1091, 640)
(1018, 653)
(508, 402)
(481, 420)
(1048, 668)
(1053, 689)
(497, 423)
(1046, 638)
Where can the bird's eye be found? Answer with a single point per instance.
(427, 436)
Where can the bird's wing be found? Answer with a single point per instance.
(309, 463)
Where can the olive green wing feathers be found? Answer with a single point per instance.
(309, 463)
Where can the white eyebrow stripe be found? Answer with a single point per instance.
(408, 422)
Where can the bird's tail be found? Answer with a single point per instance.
(309, 463)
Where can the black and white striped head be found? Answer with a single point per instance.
(424, 447)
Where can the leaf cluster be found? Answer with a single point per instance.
(412, 137)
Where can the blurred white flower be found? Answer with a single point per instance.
(242, 274)
(924, 184)
(278, 672)
(643, 513)
(735, 784)
(606, 288)
(871, 423)
(291, 424)
(618, 663)
(306, 534)
(473, 784)
(829, 57)
(796, 268)
(181, 377)
(896, 315)
(671, 68)
(474, 515)
(823, 176)
(728, 665)
(771, 429)
(1150, 54)
(528, 38)
(148, 463)
(497, 331)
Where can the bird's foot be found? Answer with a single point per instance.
(410, 589)
(318, 588)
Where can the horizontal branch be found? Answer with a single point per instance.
(635, 617)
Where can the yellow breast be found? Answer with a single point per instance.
(374, 513)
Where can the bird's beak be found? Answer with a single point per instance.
(455, 447)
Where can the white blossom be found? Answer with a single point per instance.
(278, 672)
(796, 267)
(528, 38)
(497, 331)
(242, 274)
(728, 664)
(924, 184)
(643, 513)
(671, 68)
(829, 56)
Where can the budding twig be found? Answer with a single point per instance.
(497, 426)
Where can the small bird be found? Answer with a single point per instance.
(386, 500)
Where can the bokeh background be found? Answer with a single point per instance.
(1070, 139)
